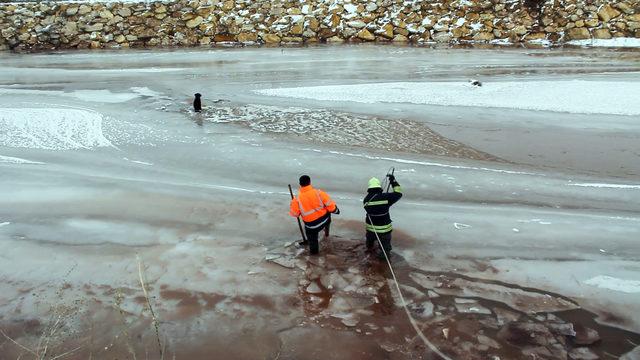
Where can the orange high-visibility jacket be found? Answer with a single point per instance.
(311, 203)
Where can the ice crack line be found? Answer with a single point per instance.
(425, 163)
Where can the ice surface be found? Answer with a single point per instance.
(562, 96)
(51, 129)
(615, 284)
(202, 198)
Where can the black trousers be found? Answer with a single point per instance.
(312, 236)
(385, 239)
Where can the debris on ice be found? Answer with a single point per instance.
(472, 309)
(465, 301)
(516, 298)
(281, 260)
(313, 288)
(424, 309)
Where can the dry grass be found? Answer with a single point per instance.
(53, 335)
(49, 343)
(156, 323)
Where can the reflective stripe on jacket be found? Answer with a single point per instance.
(311, 204)
(377, 204)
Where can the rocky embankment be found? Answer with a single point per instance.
(53, 25)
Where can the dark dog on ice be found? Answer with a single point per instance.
(197, 104)
(475, 82)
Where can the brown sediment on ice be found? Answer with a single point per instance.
(345, 306)
(466, 318)
(325, 126)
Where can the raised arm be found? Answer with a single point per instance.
(397, 191)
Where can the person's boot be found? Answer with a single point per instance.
(369, 245)
(381, 256)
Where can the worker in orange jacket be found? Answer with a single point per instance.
(315, 207)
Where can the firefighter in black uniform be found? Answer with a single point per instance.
(378, 220)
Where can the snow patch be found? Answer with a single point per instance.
(138, 162)
(350, 8)
(461, 226)
(541, 42)
(502, 42)
(615, 42)
(15, 160)
(103, 96)
(476, 26)
(574, 96)
(615, 284)
(51, 129)
(609, 186)
(145, 91)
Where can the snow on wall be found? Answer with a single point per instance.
(122, 24)
(51, 129)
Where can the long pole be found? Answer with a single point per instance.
(393, 170)
(304, 239)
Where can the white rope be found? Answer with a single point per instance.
(404, 304)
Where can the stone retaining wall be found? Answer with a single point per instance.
(55, 25)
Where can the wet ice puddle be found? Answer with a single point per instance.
(346, 289)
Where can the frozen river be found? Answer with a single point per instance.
(521, 206)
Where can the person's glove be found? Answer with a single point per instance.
(391, 178)
(337, 211)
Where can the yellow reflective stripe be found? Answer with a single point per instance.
(379, 229)
(379, 202)
(397, 189)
